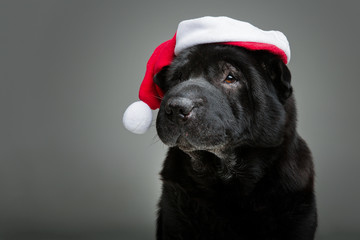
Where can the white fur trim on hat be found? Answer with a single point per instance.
(223, 29)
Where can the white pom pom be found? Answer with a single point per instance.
(137, 117)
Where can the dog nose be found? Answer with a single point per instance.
(179, 108)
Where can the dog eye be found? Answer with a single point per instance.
(230, 79)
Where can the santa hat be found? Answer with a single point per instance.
(222, 30)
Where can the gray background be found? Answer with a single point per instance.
(69, 69)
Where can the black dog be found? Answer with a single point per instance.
(236, 167)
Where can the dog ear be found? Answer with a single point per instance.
(279, 75)
(160, 79)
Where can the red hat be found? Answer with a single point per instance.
(223, 30)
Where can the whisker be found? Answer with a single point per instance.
(155, 140)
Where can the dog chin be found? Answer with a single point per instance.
(185, 144)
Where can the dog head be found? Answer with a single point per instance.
(222, 96)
